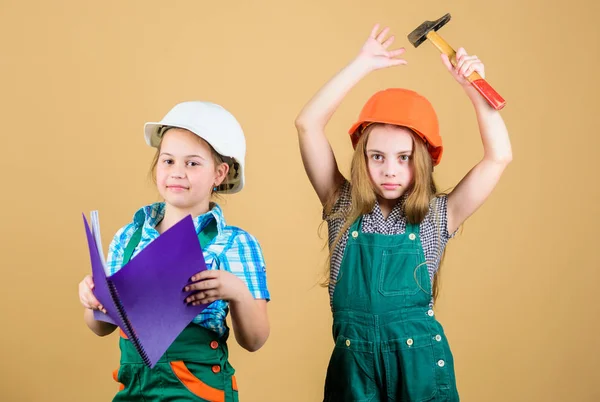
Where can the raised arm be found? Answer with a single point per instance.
(317, 155)
(480, 181)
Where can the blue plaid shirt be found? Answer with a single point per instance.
(233, 250)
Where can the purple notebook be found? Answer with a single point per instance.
(145, 298)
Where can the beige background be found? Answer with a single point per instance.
(80, 78)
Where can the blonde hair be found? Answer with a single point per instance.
(217, 158)
(363, 197)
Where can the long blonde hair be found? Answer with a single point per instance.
(363, 197)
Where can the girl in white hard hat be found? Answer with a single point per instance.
(200, 151)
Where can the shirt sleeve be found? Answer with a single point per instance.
(116, 250)
(439, 215)
(343, 200)
(244, 258)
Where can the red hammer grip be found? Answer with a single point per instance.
(490, 95)
(485, 89)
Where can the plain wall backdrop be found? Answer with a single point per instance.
(79, 79)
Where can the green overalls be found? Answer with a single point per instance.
(388, 345)
(194, 368)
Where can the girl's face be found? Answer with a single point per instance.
(389, 152)
(186, 171)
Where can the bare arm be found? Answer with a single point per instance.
(478, 184)
(250, 321)
(317, 155)
(248, 315)
(100, 328)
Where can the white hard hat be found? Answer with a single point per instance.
(215, 125)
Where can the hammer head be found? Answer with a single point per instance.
(419, 35)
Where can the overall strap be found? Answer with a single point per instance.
(132, 244)
(208, 233)
(413, 228)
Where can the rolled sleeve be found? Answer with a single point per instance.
(114, 260)
(245, 260)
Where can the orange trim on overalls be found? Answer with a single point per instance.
(234, 383)
(195, 385)
(122, 334)
(116, 378)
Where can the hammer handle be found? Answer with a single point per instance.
(479, 83)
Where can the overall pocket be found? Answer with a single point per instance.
(351, 372)
(130, 385)
(401, 273)
(414, 362)
(203, 380)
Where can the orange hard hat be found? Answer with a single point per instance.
(402, 107)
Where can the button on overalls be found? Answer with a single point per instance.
(388, 344)
(194, 368)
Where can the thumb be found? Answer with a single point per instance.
(446, 62)
(89, 281)
(397, 62)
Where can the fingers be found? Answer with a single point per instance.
(382, 34)
(446, 62)
(375, 50)
(466, 65)
(388, 42)
(203, 297)
(86, 296)
(88, 300)
(208, 274)
(474, 66)
(397, 62)
(89, 281)
(374, 31)
(396, 52)
(202, 285)
(462, 61)
(391, 57)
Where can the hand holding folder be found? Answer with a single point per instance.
(145, 298)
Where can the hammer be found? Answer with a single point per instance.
(427, 30)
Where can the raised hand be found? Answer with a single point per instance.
(375, 54)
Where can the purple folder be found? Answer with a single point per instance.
(145, 298)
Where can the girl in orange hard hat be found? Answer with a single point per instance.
(388, 228)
